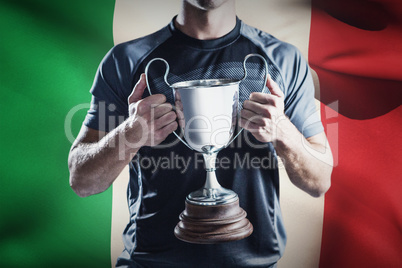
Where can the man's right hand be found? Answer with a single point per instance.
(95, 161)
(151, 119)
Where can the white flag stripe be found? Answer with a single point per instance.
(288, 20)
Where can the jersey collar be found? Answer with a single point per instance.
(206, 44)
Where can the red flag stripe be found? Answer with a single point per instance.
(355, 50)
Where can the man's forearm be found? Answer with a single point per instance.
(308, 162)
(95, 165)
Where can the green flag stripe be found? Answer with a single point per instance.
(49, 54)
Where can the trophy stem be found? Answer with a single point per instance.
(212, 193)
(212, 214)
(211, 180)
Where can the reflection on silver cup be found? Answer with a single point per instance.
(207, 112)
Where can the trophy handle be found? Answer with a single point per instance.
(165, 78)
(244, 77)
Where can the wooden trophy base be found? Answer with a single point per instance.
(206, 224)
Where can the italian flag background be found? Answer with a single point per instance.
(49, 53)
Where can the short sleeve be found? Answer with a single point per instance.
(110, 90)
(299, 97)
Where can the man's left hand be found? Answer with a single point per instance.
(262, 113)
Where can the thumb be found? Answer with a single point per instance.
(274, 88)
(138, 90)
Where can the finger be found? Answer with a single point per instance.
(257, 108)
(147, 104)
(262, 98)
(250, 126)
(181, 121)
(179, 105)
(161, 134)
(177, 96)
(274, 88)
(180, 114)
(253, 117)
(162, 109)
(170, 127)
(260, 133)
(138, 90)
(154, 100)
(267, 99)
(165, 120)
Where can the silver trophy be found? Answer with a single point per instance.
(207, 112)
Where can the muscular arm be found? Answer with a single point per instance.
(308, 162)
(96, 158)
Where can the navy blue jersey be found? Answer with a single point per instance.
(161, 177)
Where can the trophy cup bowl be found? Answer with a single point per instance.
(207, 112)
